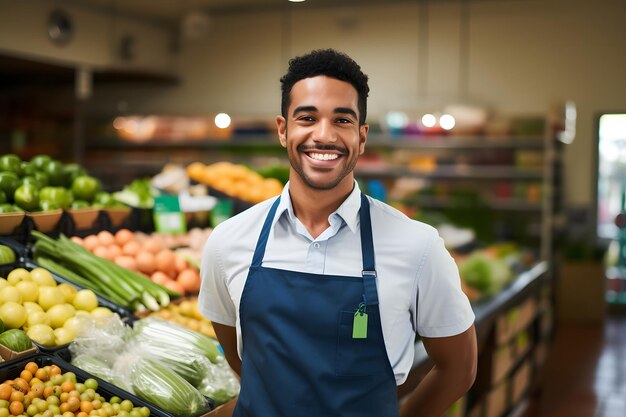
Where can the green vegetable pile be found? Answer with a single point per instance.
(139, 193)
(485, 272)
(107, 279)
(44, 184)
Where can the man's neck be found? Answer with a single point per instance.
(313, 207)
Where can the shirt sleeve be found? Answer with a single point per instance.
(214, 300)
(442, 308)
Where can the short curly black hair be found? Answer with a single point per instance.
(330, 63)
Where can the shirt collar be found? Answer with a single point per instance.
(348, 210)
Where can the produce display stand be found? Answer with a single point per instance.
(513, 330)
(61, 356)
(65, 356)
(12, 369)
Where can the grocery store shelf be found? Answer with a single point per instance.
(454, 142)
(376, 140)
(508, 204)
(489, 309)
(453, 171)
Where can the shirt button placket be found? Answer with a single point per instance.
(315, 258)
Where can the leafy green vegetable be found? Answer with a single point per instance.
(484, 273)
(139, 193)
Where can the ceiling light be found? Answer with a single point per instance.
(397, 120)
(429, 120)
(222, 120)
(296, 1)
(447, 122)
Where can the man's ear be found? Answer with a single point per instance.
(363, 129)
(281, 125)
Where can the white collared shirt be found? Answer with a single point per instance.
(417, 280)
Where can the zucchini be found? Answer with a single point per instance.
(161, 386)
(172, 336)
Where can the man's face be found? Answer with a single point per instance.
(321, 132)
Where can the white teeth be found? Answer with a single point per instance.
(324, 156)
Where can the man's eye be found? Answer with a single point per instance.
(306, 118)
(344, 121)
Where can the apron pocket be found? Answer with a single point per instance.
(359, 357)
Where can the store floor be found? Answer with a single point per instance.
(585, 372)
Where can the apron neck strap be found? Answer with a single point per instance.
(367, 250)
(259, 251)
(367, 246)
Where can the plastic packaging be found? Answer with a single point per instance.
(126, 357)
(172, 336)
(168, 390)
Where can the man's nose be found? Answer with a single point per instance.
(324, 132)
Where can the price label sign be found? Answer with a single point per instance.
(167, 215)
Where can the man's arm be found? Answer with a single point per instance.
(227, 335)
(455, 360)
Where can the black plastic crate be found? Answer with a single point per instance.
(12, 370)
(65, 355)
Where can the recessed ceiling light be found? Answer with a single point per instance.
(222, 120)
(297, 1)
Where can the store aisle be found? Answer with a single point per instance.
(585, 372)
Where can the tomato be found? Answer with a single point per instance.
(30, 179)
(48, 205)
(9, 182)
(11, 162)
(40, 161)
(60, 196)
(79, 204)
(85, 188)
(27, 197)
(54, 170)
(71, 172)
(28, 168)
(42, 178)
(9, 208)
(104, 199)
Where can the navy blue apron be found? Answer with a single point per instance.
(299, 356)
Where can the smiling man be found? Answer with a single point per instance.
(317, 295)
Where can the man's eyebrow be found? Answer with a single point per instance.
(338, 110)
(304, 109)
(346, 110)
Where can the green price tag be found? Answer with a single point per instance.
(223, 210)
(359, 326)
(167, 215)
